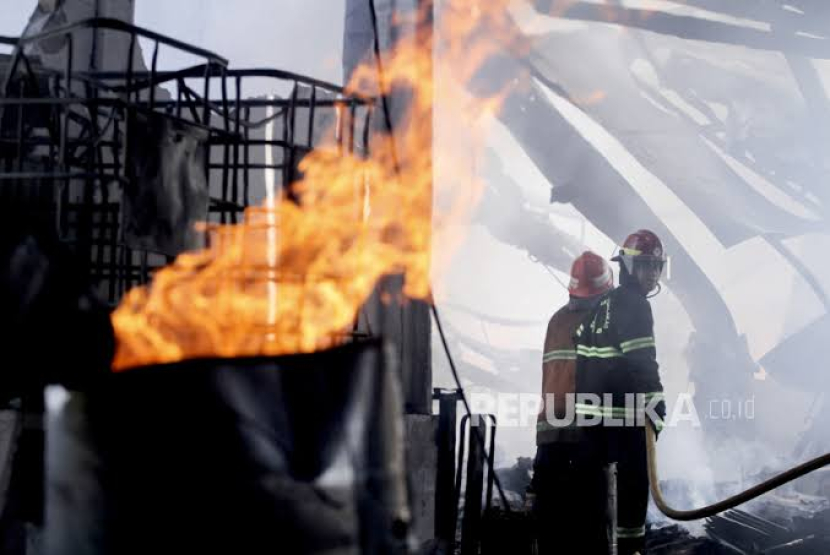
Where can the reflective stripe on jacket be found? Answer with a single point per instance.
(617, 357)
(558, 371)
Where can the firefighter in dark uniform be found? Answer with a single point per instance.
(562, 460)
(617, 366)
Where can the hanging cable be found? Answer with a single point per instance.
(384, 101)
(549, 270)
(387, 119)
(466, 404)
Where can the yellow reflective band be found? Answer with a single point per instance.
(595, 410)
(636, 532)
(561, 354)
(646, 339)
(599, 410)
(632, 252)
(638, 343)
(597, 352)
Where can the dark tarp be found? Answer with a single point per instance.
(297, 454)
(167, 190)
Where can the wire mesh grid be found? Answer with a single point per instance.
(121, 162)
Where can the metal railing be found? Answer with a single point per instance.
(71, 138)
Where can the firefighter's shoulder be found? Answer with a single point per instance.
(557, 315)
(630, 308)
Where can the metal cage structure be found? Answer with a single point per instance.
(120, 163)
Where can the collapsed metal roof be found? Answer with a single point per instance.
(705, 122)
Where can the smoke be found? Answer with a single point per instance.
(653, 129)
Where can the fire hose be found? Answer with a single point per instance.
(730, 502)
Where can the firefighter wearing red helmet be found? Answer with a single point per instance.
(561, 463)
(642, 259)
(617, 369)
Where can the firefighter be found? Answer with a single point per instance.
(617, 367)
(562, 461)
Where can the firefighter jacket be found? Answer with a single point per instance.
(558, 373)
(616, 363)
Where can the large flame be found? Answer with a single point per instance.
(292, 277)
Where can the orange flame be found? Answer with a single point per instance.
(291, 277)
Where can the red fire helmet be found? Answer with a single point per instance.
(590, 275)
(640, 245)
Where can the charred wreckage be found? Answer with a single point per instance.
(183, 374)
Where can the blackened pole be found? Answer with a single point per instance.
(407, 326)
(446, 507)
(471, 522)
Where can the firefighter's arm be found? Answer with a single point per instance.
(635, 333)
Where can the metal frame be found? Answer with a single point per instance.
(446, 496)
(476, 451)
(66, 132)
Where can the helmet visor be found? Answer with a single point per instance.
(649, 263)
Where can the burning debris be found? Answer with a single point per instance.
(676, 540)
(749, 534)
(292, 276)
(786, 521)
(289, 278)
